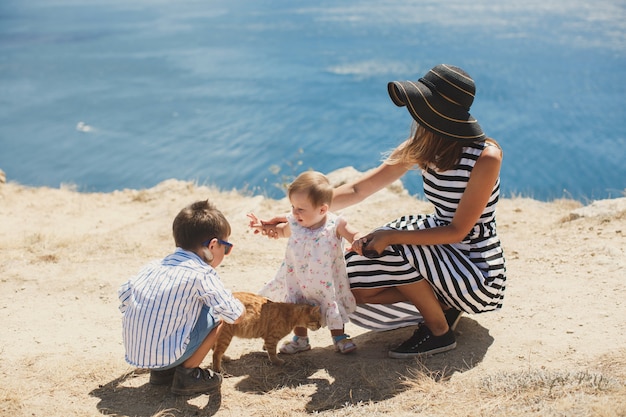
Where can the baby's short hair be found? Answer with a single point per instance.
(316, 185)
(198, 222)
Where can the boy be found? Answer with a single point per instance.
(172, 308)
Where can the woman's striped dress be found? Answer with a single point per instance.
(469, 275)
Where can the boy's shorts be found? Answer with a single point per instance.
(205, 324)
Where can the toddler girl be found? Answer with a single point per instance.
(313, 270)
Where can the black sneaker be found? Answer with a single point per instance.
(189, 381)
(423, 342)
(163, 377)
(452, 317)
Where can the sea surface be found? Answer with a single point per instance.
(104, 95)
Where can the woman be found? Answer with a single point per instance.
(427, 269)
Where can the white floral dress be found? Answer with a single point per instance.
(314, 272)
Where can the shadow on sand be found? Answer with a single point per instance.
(130, 395)
(368, 375)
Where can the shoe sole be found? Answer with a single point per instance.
(349, 350)
(402, 355)
(213, 390)
(297, 351)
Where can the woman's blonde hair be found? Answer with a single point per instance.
(425, 148)
(315, 185)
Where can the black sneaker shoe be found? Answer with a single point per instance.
(189, 381)
(423, 342)
(163, 377)
(452, 317)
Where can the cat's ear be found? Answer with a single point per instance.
(316, 310)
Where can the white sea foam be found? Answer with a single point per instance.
(369, 68)
(83, 127)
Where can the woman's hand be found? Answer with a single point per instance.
(357, 245)
(371, 245)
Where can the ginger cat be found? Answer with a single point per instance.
(267, 320)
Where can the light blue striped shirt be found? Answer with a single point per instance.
(162, 303)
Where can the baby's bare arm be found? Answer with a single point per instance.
(347, 232)
(275, 228)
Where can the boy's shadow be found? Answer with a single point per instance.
(367, 375)
(128, 395)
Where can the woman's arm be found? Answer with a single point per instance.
(372, 181)
(347, 194)
(472, 204)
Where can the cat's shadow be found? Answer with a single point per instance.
(363, 376)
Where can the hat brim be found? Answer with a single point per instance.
(434, 112)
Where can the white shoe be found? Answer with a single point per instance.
(345, 346)
(297, 344)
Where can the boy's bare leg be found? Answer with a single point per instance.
(195, 360)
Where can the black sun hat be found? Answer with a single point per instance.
(440, 102)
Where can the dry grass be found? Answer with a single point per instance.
(317, 383)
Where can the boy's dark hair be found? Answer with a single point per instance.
(197, 223)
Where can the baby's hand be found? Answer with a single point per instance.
(365, 245)
(255, 223)
(357, 246)
(267, 228)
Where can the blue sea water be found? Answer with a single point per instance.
(113, 94)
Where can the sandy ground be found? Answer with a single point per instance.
(64, 254)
